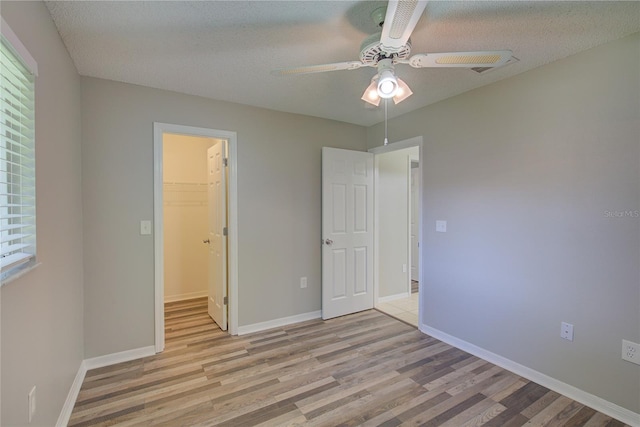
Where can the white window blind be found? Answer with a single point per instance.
(17, 159)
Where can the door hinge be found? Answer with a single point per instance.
(226, 301)
(225, 231)
(225, 161)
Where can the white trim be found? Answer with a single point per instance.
(72, 396)
(158, 238)
(20, 49)
(20, 272)
(611, 409)
(185, 297)
(409, 217)
(232, 238)
(403, 295)
(123, 356)
(421, 230)
(408, 231)
(413, 159)
(232, 139)
(276, 323)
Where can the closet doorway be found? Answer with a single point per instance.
(186, 216)
(193, 259)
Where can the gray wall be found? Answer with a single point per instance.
(279, 194)
(42, 338)
(525, 171)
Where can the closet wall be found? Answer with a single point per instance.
(185, 216)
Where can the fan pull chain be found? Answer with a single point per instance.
(386, 141)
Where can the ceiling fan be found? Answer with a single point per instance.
(392, 46)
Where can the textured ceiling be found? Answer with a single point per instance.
(226, 50)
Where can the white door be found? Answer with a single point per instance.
(217, 198)
(347, 232)
(415, 212)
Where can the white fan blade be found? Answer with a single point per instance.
(399, 22)
(350, 65)
(493, 58)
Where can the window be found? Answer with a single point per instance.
(17, 156)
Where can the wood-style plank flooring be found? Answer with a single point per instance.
(363, 369)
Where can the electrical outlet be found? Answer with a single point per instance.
(32, 403)
(566, 331)
(631, 352)
(303, 282)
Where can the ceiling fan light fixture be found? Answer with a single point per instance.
(387, 84)
(370, 94)
(402, 93)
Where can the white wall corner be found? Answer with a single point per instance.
(276, 323)
(608, 408)
(72, 396)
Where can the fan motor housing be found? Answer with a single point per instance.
(371, 51)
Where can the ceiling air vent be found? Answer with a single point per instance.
(482, 70)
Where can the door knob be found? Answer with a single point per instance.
(206, 241)
(328, 242)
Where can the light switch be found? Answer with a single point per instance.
(441, 226)
(145, 227)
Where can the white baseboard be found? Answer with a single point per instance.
(257, 327)
(72, 396)
(93, 363)
(394, 297)
(611, 409)
(123, 356)
(182, 297)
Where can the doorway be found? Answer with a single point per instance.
(185, 206)
(191, 191)
(398, 225)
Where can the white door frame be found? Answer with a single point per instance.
(158, 217)
(410, 162)
(395, 146)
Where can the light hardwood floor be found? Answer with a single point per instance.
(362, 369)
